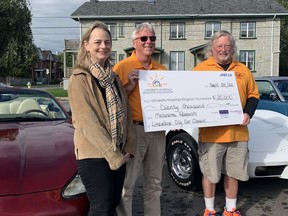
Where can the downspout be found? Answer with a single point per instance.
(161, 30)
(80, 29)
(272, 47)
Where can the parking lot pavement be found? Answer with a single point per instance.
(257, 197)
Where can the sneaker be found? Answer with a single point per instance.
(234, 212)
(210, 213)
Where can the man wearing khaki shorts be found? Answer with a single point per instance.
(214, 162)
(224, 149)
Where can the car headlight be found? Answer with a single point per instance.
(74, 188)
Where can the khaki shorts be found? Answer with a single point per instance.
(226, 158)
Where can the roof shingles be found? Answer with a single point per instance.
(178, 8)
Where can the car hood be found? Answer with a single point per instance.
(268, 136)
(35, 156)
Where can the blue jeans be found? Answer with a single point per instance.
(103, 185)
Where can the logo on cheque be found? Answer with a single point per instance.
(157, 81)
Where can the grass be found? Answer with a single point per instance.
(58, 92)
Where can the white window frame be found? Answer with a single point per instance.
(248, 30)
(177, 30)
(177, 60)
(211, 28)
(113, 57)
(121, 57)
(122, 30)
(113, 30)
(247, 57)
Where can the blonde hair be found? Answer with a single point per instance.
(83, 57)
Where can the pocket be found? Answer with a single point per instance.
(203, 158)
(202, 149)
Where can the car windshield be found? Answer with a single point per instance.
(283, 87)
(29, 105)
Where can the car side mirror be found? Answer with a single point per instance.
(273, 96)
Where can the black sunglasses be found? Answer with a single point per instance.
(145, 38)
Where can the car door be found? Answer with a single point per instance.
(269, 98)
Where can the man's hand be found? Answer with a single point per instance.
(133, 77)
(246, 119)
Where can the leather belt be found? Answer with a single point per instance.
(138, 123)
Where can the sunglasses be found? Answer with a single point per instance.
(145, 38)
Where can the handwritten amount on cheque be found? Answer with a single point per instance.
(186, 113)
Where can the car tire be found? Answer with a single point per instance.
(183, 163)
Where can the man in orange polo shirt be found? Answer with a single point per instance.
(225, 148)
(150, 151)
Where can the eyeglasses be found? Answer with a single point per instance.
(145, 38)
(225, 46)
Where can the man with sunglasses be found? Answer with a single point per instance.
(149, 156)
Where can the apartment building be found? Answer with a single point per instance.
(184, 27)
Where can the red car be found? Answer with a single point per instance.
(38, 172)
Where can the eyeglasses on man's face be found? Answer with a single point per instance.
(145, 38)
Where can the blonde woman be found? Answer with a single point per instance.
(103, 124)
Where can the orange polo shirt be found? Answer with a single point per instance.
(123, 68)
(247, 88)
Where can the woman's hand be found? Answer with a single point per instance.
(126, 157)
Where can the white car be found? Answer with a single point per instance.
(4, 85)
(268, 150)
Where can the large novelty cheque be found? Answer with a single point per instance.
(187, 99)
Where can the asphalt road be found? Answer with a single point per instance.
(257, 197)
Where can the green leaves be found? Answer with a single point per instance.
(17, 51)
(283, 70)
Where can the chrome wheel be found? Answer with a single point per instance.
(181, 163)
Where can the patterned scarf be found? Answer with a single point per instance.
(114, 104)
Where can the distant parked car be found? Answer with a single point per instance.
(37, 162)
(4, 85)
(273, 93)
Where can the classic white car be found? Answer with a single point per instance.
(268, 150)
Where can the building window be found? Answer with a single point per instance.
(247, 30)
(121, 57)
(113, 29)
(177, 30)
(121, 30)
(247, 57)
(211, 28)
(113, 57)
(177, 61)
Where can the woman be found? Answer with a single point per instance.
(102, 119)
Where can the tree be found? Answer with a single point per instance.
(17, 51)
(283, 69)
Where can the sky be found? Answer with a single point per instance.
(51, 23)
